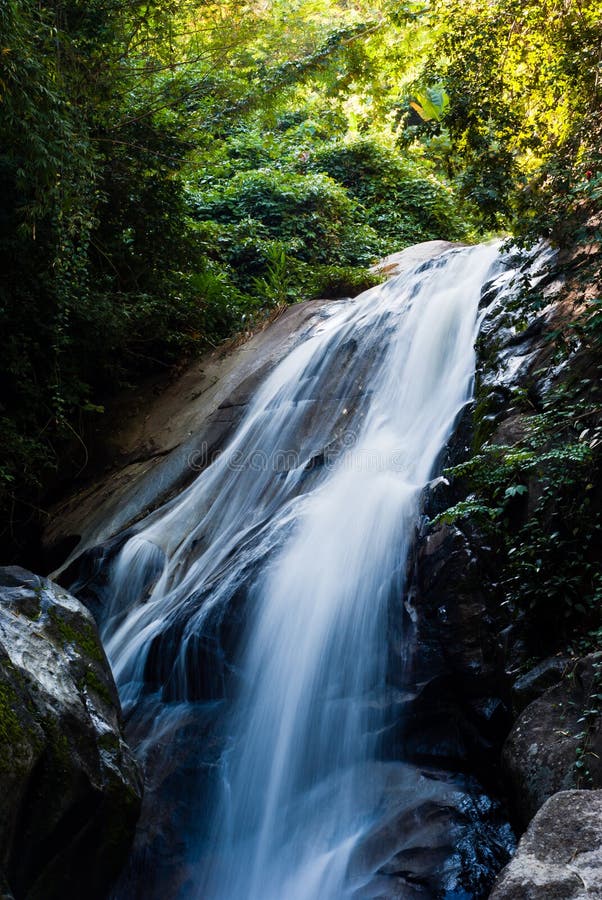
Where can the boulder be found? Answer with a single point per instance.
(537, 680)
(560, 856)
(436, 834)
(70, 789)
(556, 743)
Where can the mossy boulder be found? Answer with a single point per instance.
(70, 789)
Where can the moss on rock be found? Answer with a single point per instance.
(70, 789)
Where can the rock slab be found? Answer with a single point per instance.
(70, 789)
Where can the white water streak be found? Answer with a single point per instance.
(330, 556)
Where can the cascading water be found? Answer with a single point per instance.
(271, 580)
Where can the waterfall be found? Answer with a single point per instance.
(266, 587)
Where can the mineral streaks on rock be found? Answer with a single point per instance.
(69, 787)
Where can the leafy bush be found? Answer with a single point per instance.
(404, 203)
(279, 236)
(312, 215)
(342, 281)
(540, 506)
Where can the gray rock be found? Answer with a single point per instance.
(560, 856)
(550, 736)
(69, 787)
(533, 683)
(399, 262)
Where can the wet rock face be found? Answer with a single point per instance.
(453, 715)
(436, 835)
(452, 587)
(551, 736)
(560, 856)
(157, 440)
(467, 648)
(460, 711)
(70, 789)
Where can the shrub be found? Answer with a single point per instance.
(343, 281)
(404, 203)
(311, 215)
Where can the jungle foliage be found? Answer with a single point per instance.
(537, 502)
(171, 171)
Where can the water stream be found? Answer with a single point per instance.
(263, 593)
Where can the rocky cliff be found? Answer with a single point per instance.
(500, 643)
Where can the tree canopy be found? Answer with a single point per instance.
(171, 171)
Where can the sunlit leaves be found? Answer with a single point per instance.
(432, 103)
(525, 89)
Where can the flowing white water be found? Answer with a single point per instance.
(311, 510)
